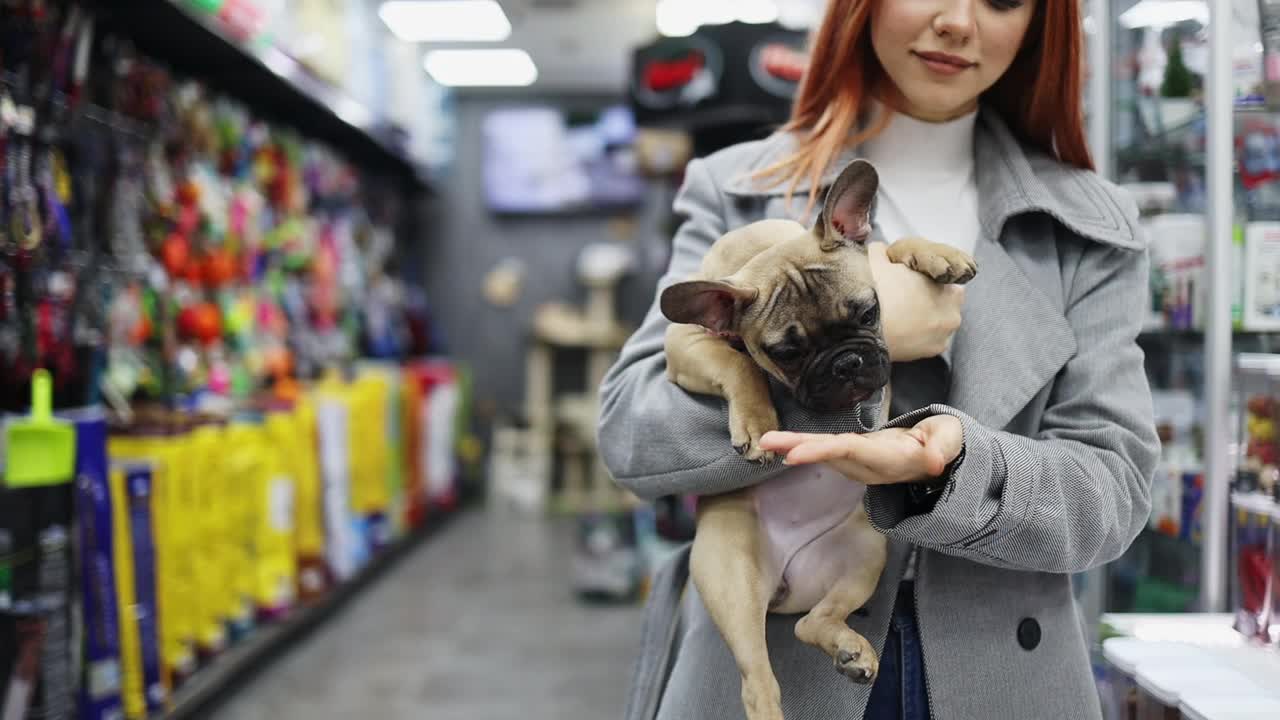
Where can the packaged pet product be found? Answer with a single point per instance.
(1177, 254)
(370, 456)
(7, 499)
(1262, 276)
(181, 536)
(37, 677)
(309, 540)
(1256, 408)
(333, 417)
(225, 517)
(1273, 553)
(172, 502)
(23, 645)
(390, 471)
(207, 559)
(1269, 25)
(363, 465)
(275, 557)
(395, 454)
(243, 502)
(415, 485)
(144, 690)
(1190, 527)
(37, 658)
(99, 676)
(157, 442)
(1251, 587)
(440, 423)
(1175, 411)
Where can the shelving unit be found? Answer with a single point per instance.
(1189, 145)
(241, 491)
(214, 683)
(275, 84)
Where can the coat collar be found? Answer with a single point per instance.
(1012, 180)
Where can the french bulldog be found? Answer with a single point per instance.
(777, 299)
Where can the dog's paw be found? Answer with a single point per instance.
(942, 263)
(748, 422)
(753, 453)
(858, 663)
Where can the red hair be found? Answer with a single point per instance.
(1039, 96)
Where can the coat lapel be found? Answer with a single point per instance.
(1012, 341)
(1015, 336)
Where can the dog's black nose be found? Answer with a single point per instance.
(847, 365)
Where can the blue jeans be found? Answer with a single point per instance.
(899, 692)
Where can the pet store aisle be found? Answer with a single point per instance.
(478, 623)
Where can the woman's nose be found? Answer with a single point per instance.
(956, 20)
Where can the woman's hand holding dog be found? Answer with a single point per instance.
(919, 315)
(883, 457)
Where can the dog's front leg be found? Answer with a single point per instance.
(736, 581)
(703, 363)
(826, 626)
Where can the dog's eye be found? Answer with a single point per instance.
(870, 316)
(786, 353)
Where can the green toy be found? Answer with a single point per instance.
(41, 449)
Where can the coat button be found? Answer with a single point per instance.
(1029, 634)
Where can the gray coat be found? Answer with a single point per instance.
(1059, 452)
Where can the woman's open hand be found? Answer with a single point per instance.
(883, 457)
(920, 315)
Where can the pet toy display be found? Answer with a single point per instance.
(262, 410)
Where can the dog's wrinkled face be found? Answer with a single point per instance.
(806, 308)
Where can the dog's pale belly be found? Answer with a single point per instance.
(802, 516)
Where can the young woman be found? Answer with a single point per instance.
(1023, 445)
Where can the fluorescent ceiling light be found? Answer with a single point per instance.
(714, 12)
(499, 67)
(1163, 13)
(446, 20)
(800, 14)
(678, 18)
(757, 11)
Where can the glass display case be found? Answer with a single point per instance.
(1160, 92)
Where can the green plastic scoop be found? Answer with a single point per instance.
(41, 449)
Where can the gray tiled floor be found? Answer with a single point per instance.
(478, 624)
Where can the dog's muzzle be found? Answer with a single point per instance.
(844, 376)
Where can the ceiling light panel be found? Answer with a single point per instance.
(446, 20)
(496, 67)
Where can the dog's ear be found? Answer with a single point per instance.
(713, 304)
(846, 215)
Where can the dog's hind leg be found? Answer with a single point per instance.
(826, 626)
(736, 581)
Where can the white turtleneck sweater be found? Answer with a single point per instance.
(927, 186)
(927, 189)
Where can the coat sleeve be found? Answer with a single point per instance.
(657, 439)
(1076, 495)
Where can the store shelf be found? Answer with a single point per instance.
(1155, 332)
(1256, 502)
(275, 84)
(213, 683)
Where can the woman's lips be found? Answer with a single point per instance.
(942, 63)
